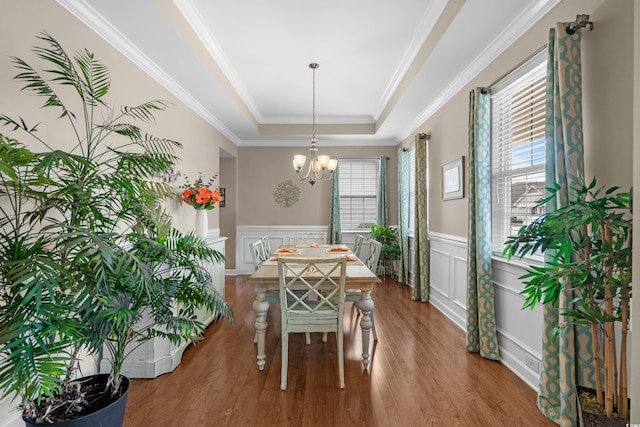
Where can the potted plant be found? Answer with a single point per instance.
(588, 248)
(87, 248)
(390, 247)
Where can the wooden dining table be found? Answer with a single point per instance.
(358, 276)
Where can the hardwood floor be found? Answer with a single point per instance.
(420, 375)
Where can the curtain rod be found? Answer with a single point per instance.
(520, 64)
(581, 21)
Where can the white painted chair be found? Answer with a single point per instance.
(308, 238)
(266, 246)
(323, 279)
(354, 295)
(257, 253)
(357, 245)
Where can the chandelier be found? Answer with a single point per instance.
(319, 167)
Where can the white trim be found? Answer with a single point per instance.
(448, 239)
(510, 35)
(88, 15)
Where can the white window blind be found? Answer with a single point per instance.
(518, 152)
(358, 193)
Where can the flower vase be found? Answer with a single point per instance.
(202, 223)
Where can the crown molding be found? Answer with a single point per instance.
(509, 36)
(92, 19)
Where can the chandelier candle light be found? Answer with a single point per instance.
(319, 167)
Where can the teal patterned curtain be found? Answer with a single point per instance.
(382, 192)
(481, 323)
(403, 215)
(335, 231)
(563, 357)
(420, 285)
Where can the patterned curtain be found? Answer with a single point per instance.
(420, 285)
(403, 215)
(382, 192)
(481, 323)
(335, 230)
(563, 357)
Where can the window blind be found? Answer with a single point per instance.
(518, 151)
(358, 193)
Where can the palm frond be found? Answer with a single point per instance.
(145, 111)
(97, 79)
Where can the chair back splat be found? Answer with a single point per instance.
(312, 292)
(309, 238)
(266, 246)
(373, 258)
(357, 245)
(257, 253)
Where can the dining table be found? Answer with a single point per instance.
(358, 276)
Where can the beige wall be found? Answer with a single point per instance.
(21, 22)
(608, 121)
(228, 180)
(261, 169)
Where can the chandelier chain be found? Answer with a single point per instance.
(320, 168)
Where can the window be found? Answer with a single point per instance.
(518, 149)
(358, 193)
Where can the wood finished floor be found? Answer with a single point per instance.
(420, 375)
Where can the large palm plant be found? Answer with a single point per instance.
(86, 247)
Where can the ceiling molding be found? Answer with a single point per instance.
(427, 22)
(284, 120)
(200, 28)
(86, 14)
(322, 143)
(509, 36)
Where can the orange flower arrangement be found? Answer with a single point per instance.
(199, 195)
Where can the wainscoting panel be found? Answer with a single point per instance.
(448, 276)
(440, 278)
(519, 330)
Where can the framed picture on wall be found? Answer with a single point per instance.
(222, 197)
(453, 179)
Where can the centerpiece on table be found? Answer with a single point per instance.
(202, 198)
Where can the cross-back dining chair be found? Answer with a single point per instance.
(308, 238)
(266, 246)
(354, 295)
(312, 292)
(257, 253)
(357, 245)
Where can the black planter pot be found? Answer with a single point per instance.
(111, 415)
(590, 419)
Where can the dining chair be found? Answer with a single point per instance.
(312, 294)
(257, 253)
(354, 295)
(266, 246)
(308, 238)
(357, 245)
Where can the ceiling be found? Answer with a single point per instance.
(384, 65)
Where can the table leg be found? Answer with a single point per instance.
(366, 306)
(261, 306)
